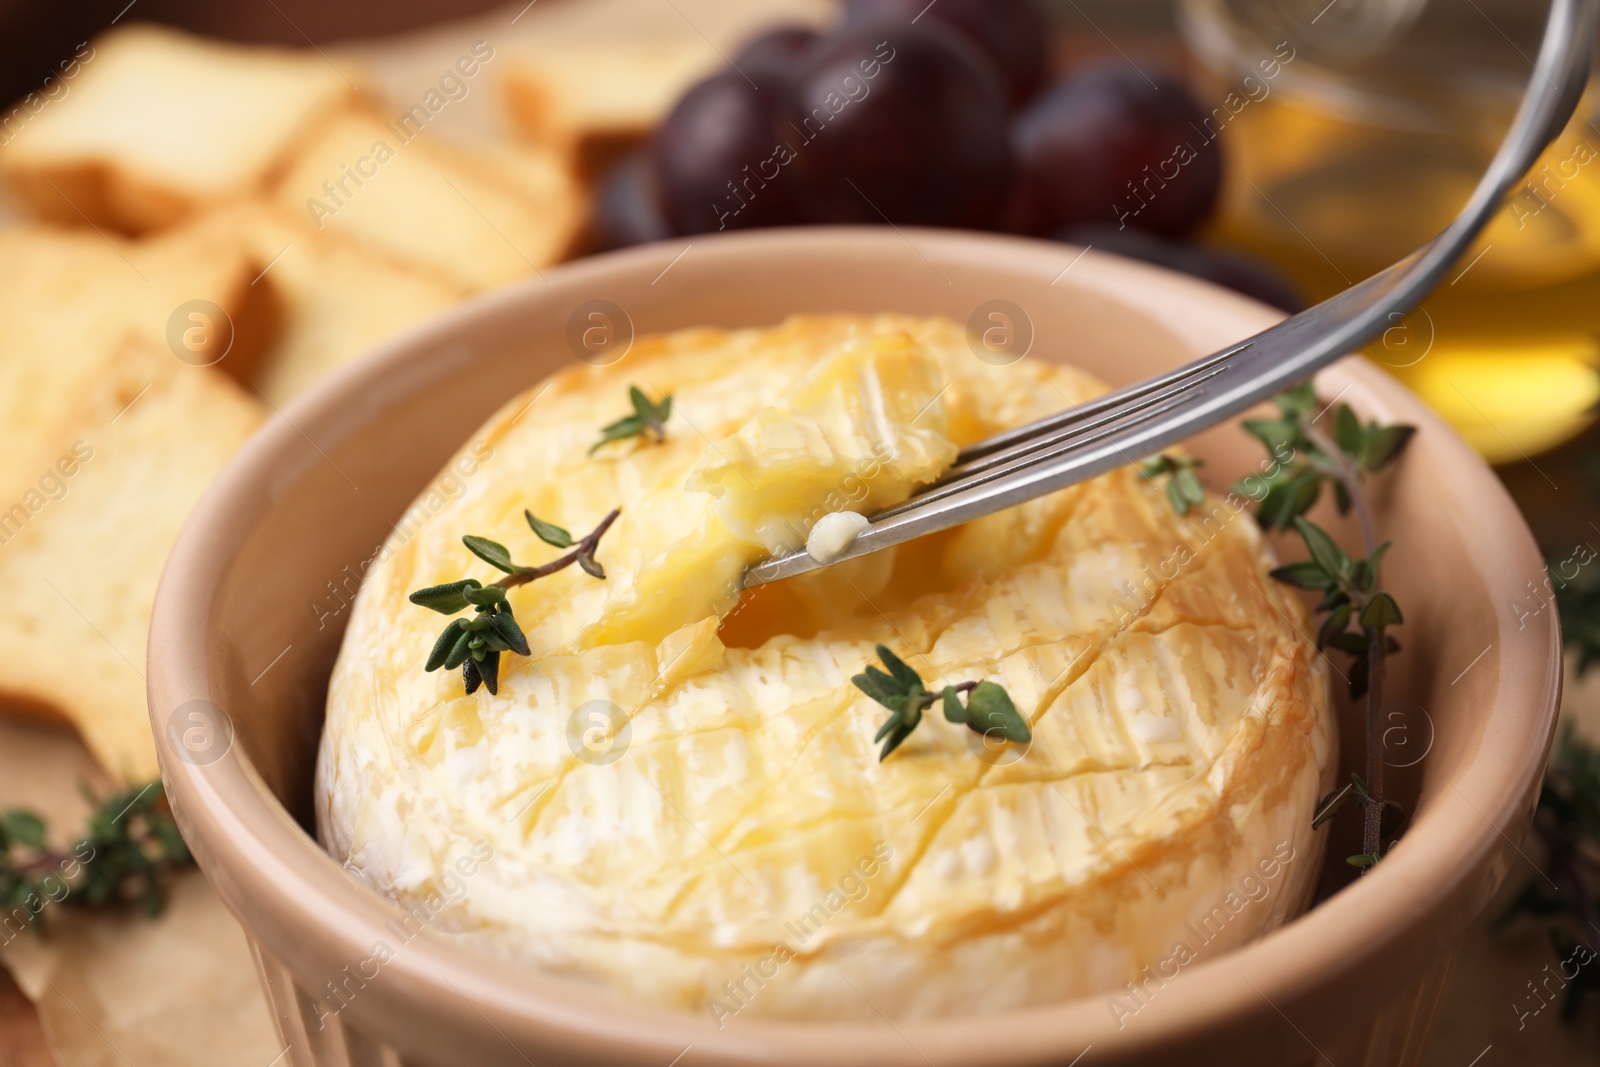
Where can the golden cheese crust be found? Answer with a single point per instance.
(689, 810)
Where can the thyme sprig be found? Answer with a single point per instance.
(475, 644)
(1354, 449)
(1350, 596)
(648, 419)
(1184, 490)
(1358, 611)
(128, 849)
(1579, 605)
(988, 709)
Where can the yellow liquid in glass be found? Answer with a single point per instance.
(1508, 348)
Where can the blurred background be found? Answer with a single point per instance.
(1325, 139)
(1351, 154)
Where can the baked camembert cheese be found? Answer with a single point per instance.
(678, 791)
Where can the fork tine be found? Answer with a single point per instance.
(1048, 451)
(1131, 405)
(1072, 416)
(1058, 434)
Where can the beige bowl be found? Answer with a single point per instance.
(256, 595)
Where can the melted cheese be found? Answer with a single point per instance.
(677, 797)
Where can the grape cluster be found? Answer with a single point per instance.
(932, 115)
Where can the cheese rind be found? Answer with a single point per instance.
(666, 814)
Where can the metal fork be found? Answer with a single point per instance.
(1142, 419)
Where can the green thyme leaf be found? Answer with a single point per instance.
(1304, 574)
(1297, 401)
(1330, 804)
(484, 597)
(990, 710)
(1381, 611)
(644, 409)
(879, 686)
(647, 418)
(1183, 487)
(1189, 486)
(954, 710)
(1347, 432)
(1155, 467)
(447, 599)
(1384, 445)
(903, 674)
(898, 729)
(1362, 859)
(1276, 434)
(1351, 642)
(1334, 625)
(24, 826)
(1288, 496)
(443, 646)
(461, 650)
(491, 552)
(1175, 497)
(1336, 598)
(506, 626)
(489, 669)
(590, 565)
(1324, 549)
(632, 426)
(549, 533)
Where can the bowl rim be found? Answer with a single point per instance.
(294, 900)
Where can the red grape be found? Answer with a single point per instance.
(1013, 33)
(1109, 145)
(771, 59)
(713, 158)
(627, 210)
(904, 123)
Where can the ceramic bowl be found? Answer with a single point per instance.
(254, 600)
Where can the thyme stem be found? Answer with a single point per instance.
(1344, 469)
(584, 547)
(928, 699)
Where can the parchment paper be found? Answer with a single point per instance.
(114, 988)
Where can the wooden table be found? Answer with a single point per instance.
(22, 1042)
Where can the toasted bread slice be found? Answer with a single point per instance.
(82, 548)
(474, 218)
(595, 99)
(69, 301)
(336, 298)
(158, 125)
